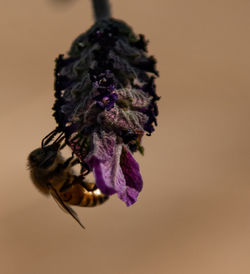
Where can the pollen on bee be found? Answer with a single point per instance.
(97, 191)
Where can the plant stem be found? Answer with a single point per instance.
(101, 9)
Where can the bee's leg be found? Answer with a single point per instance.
(77, 180)
(63, 145)
(65, 187)
(84, 169)
(70, 162)
(89, 186)
(74, 162)
(80, 180)
(67, 163)
(48, 138)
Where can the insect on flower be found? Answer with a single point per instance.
(53, 175)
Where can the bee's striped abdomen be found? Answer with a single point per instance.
(78, 195)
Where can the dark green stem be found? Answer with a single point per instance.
(101, 9)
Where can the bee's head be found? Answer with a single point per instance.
(43, 157)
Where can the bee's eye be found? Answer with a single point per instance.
(48, 159)
(46, 163)
(35, 156)
(32, 158)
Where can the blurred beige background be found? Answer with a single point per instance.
(193, 215)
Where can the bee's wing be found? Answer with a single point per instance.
(63, 206)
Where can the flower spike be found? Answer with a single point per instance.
(105, 102)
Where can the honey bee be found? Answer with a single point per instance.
(53, 175)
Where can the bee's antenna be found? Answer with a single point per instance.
(63, 145)
(48, 138)
(59, 139)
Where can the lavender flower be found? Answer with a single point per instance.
(105, 102)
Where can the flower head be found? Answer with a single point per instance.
(105, 102)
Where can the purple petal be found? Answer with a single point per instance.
(114, 96)
(104, 160)
(129, 196)
(131, 172)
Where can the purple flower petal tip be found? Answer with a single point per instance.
(131, 172)
(129, 196)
